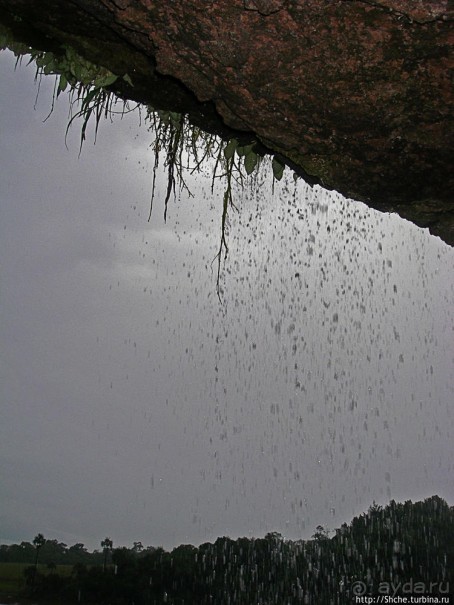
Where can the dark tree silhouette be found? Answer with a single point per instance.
(38, 542)
(107, 546)
(384, 549)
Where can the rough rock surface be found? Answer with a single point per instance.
(357, 93)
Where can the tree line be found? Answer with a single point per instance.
(402, 544)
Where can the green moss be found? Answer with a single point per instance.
(316, 166)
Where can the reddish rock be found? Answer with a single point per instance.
(358, 93)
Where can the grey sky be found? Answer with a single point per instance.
(134, 405)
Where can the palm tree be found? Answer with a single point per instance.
(38, 542)
(106, 545)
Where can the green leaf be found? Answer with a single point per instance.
(41, 61)
(63, 83)
(76, 69)
(128, 80)
(85, 75)
(250, 162)
(49, 68)
(278, 169)
(105, 81)
(46, 61)
(88, 97)
(229, 149)
(244, 150)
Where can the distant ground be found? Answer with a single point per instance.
(12, 579)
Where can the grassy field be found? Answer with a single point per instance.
(12, 576)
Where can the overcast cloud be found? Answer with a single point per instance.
(135, 405)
